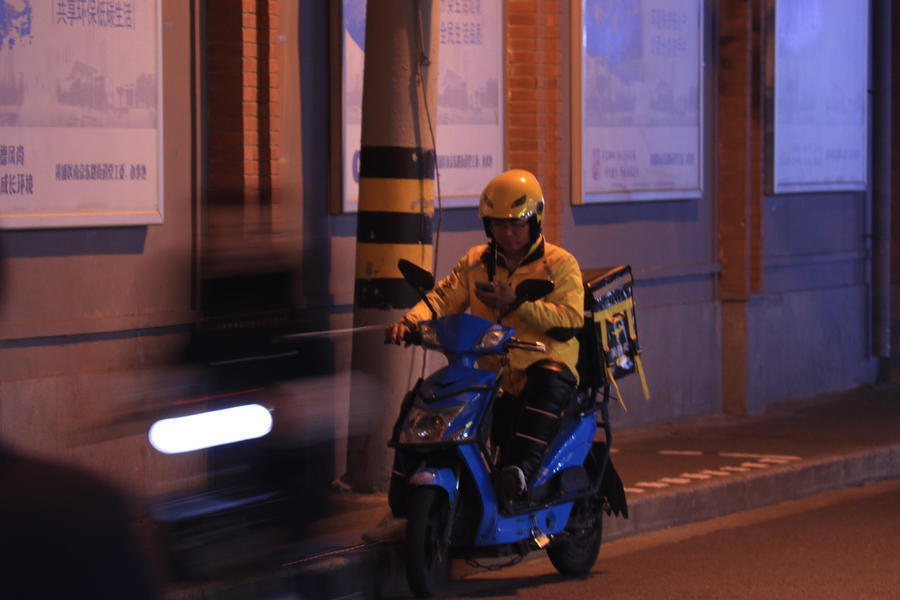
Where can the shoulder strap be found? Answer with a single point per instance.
(489, 258)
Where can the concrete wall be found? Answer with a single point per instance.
(87, 316)
(671, 248)
(809, 331)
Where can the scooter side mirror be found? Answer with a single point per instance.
(418, 277)
(533, 289)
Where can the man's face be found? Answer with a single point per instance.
(512, 235)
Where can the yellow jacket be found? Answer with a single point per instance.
(553, 319)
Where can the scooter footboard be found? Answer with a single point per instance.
(507, 529)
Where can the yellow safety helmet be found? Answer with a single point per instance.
(515, 194)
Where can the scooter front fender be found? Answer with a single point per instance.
(443, 478)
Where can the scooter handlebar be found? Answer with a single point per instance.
(412, 337)
(523, 345)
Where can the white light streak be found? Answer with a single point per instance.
(209, 429)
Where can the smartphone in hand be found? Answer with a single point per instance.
(484, 286)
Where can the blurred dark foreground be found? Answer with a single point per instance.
(261, 494)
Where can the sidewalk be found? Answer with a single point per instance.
(673, 474)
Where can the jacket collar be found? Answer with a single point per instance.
(493, 256)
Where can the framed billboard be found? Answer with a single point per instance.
(819, 139)
(637, 100)
(469, 115)
(80, 134)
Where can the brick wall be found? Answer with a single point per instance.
(225, 110)
(740, 147)
(534, 99)
(740, 176)
(243, 121)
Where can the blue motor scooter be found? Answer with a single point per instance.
(446, 459)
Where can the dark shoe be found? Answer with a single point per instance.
(512, 483)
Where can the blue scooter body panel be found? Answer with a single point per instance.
(510, 529)
(442, 478)
(446, 383)
(459, 333)
(458, 392)
(569, 449)
(496, 528)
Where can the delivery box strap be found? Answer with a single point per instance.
(615, 385)
(639, 364)
(607, 365)
(605, 323)
(640, 371)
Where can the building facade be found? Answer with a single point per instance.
(745, 297)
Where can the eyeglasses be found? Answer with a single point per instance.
(514, 224)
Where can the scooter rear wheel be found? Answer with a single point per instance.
(427, 556)
(574, 553)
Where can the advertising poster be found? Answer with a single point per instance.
(821, 114)
(468, 116)
(79, 113)
(641, 100)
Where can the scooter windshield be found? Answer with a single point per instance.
(461, 334)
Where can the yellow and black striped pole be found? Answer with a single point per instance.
(396, 199)
(396, 203)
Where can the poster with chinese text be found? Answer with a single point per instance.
(79, 113)
(641, 100)
(821, 114)
(469, 112)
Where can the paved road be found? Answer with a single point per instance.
(839, 545)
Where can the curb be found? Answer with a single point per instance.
(709, 500)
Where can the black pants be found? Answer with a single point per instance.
(537, 415)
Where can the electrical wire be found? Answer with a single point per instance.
(423, 62)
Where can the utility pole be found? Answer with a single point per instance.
(396, 203)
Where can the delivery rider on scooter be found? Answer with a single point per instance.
(537, 387)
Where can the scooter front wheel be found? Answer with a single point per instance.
(427, 547)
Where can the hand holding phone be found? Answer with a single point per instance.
(484, 286)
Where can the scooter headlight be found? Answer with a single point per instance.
(424, 426)
(491, 338)
(430, 337)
